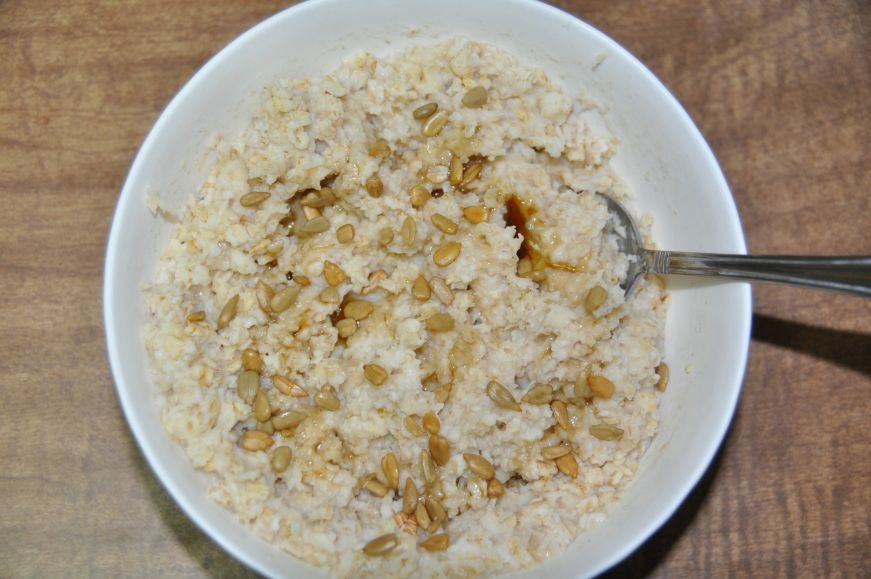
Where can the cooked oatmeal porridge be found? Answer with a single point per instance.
(389, 325)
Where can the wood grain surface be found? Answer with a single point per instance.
(782, 91)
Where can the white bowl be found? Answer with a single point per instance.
(661, 156)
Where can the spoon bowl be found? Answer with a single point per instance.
(850, 274)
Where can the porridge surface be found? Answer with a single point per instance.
(477, 298)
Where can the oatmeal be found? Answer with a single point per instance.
(389, 326)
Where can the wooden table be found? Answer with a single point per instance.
(782, 90)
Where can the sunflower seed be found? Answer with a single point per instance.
(440, 322)
(475, 214)
(375, 374)
(431, 423)
(538, 394)
(288, 387)
(324, 198)
(435, 510)
(595, 298)
(197, 316)
(346, 327)
(480, 466)
(495, 489)
(251, 359)
(374, 186)
(409, 497)
(420, 289)
(567, 465)
(253, 198)
(284, 299)
(316, 225)
(390, 467)
(254, 440)
(434, 124)
(442, 393)
(330, 295)
(345, 233)
(606, 432)
(441, 290)
(662, 372)
(425, 111)
(428, 468)
(281, 458)
(375, 487)
(358, 310)
(333, 273)
(247, 385)
(560, 413)
(287, 419)
(423, 518)
(309, 200)
(375, 278)
(406, 522)
(419, 196)
(379, 148)
(385, 235)
(262, 410)
(440, 449)
(408, 232)
(436, 543)
(455, 175)
(470, 174)
(447, 254)
(502, 397)
(228, 312)
(413, 427)
(327, 399)
(436, 174)
(475, 97)
(554, 452)
(601, 386)
(582, 390)
(381, 546)
(444, 224)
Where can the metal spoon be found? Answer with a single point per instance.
(850, 274)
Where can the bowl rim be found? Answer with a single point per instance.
(126, 197)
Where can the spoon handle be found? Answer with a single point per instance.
(850, 274)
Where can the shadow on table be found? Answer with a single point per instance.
(842, 347)
(209, 556)
(644, 561)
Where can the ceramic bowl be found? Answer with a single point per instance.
(662, 156)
